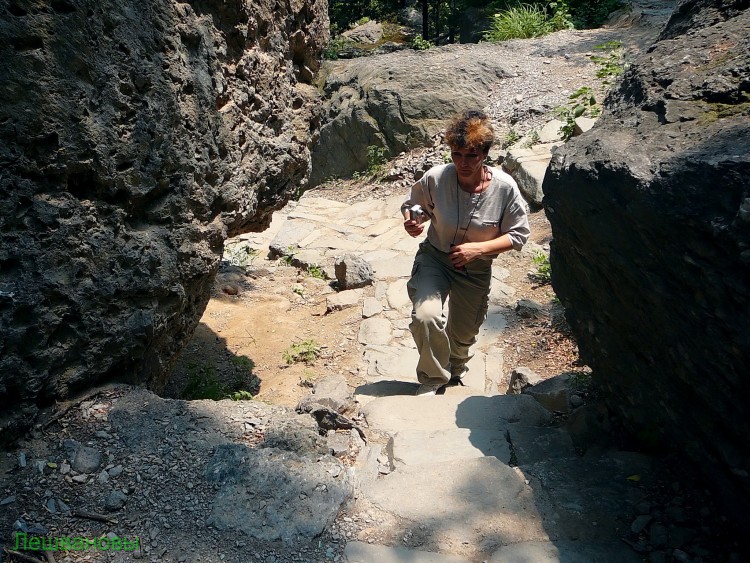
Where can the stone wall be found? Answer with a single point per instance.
(650, 212)
(135, 136)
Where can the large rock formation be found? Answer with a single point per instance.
(135, 136)
(650, 212)
(398, 101)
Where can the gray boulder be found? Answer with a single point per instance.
(650, 213)
(135, 137)
(272, 494)
(353, 272)
(397, 101)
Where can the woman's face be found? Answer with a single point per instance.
(468, 161)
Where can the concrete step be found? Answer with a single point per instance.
(462, 502)
(393, 414)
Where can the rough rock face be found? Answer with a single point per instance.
(650, 212)
(134, 138)
(397, 101)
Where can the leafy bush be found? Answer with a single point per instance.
(519, 22)
(306, 351)
(239, 255)
(203, 383)
(543, 272)
(420, 43)
(588, 14)
(511, 138)
(580, 103)
(611, 65)
(335, 46)
(316, 271)
(376, 159)
(560, 18)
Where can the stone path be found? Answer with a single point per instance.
(482, 475)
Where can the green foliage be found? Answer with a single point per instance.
(376, 159)
(240, 255)
(580, 103)
(511, 138)
(306, 351)
(335, 46)
(532, 140)
(523, 21)
(288, 258)
(420, 43)
(316, 271)
(611, 65)
(588, 14)
(560, 17)
(344, 14)
(543, 272)
(203, 383)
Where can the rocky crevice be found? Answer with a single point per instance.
(651, 238)
(134, 138)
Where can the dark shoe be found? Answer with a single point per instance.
(457, 374)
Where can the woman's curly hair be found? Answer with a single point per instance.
(470, 130)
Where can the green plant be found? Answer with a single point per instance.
(288, 257)
(299, 291)
(523, 21)
(241, 395)
(203, 383)
(419, 43)
(611, 65)
(306, 351)
(316, 271)
(240, 254)
(335, 46)
(361, 21)
(376, 160)
(560, 18)
(588, 14)
(511, 138)
(580, 103)
(533, 139)
(543, 272)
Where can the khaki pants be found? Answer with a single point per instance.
(444, 345)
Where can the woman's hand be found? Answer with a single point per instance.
(413, 228)
(462, 254)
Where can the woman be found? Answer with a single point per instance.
(475, 213)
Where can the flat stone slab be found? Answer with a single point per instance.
(359, 552)
(375, 330)
(475, 377)
(392, 361)
(397, 295)
(461, 501)
(392, 414)
(391, 268)
(564, 551)
(414, 447)
(493, 327)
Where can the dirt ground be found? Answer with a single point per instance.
(252, 321)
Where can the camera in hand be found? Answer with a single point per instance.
(416, 213)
